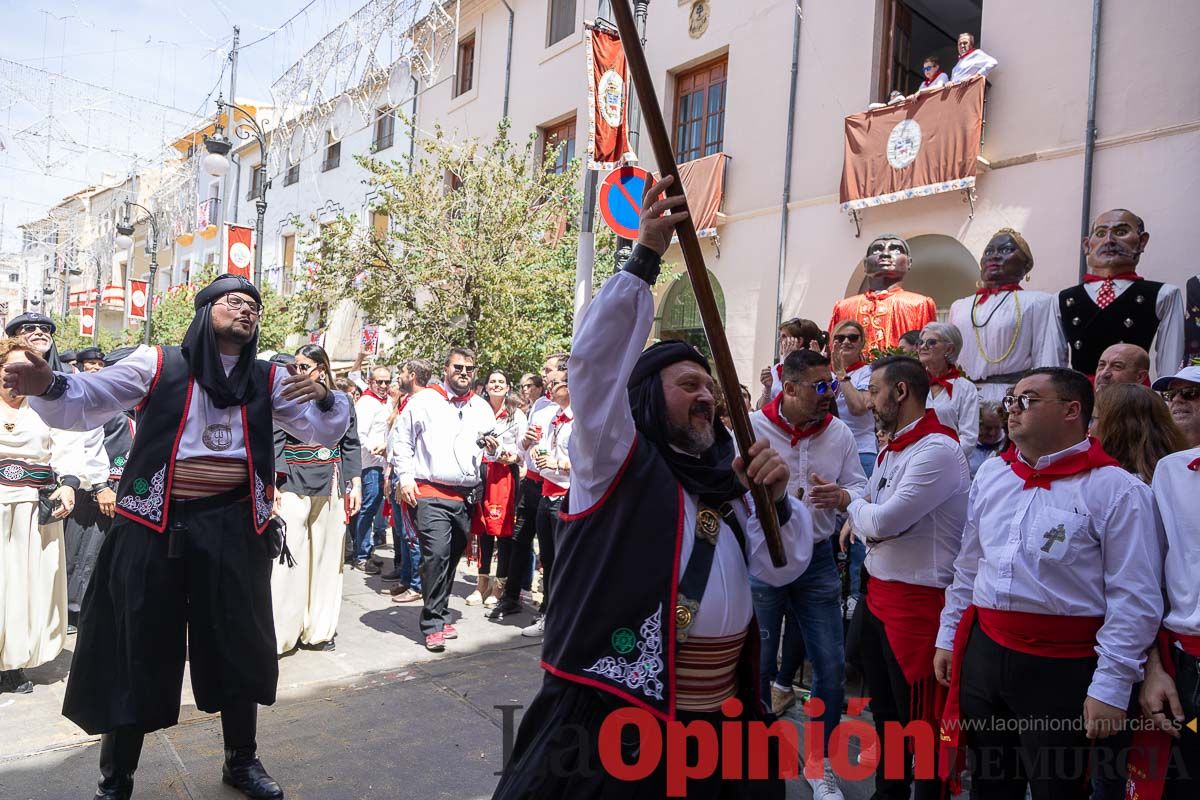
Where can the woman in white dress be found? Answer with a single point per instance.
(33, 566)
(1006, 330)
(953, 397)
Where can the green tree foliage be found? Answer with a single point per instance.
(67, 336)
(175, 311)
(479, 253)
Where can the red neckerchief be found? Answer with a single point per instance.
(1123, 276)
(987, 291)
(1195, 465)
(371, 393)
(771, 411)
(502, 413)
(895, 287)
(945, 380)
(459, 400)
(561, 418)
(964, 55)
(856, 365)
(1074, 464)
(929, 82)
(926, 426)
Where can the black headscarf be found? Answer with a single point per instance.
(204, 357)
(34, 318)
(709, 475)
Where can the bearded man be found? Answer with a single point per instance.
(886, 310)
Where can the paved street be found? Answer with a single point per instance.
(378, 719)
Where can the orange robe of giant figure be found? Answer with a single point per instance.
(886, 311)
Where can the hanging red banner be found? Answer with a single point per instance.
(137, 299)
(87, 321)
(370, 339)
(238, 251)
(608, 101)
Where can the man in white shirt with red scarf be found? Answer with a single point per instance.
(911, 521)
(1057, 595)
(372, 413)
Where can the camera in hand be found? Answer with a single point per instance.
(481, 443)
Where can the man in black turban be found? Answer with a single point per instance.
(186, 570)
(38, 331)
(652, 613)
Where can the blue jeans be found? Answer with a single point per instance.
(372, 500)
(408, 552)
(814, 599)
(858, 550)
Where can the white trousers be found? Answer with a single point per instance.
(33, 588)
(307, 598)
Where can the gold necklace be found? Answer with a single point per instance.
(1011, 345)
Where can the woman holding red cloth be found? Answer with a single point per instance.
(494, 516)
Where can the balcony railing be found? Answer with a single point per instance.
(208, 212)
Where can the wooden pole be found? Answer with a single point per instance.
(689, 243)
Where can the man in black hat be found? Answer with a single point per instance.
(89, 359)
(187, 570)
(651, 613)
(38, 330)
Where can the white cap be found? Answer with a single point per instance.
(1189, 374)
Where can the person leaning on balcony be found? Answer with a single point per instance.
(971, 60)
(931, 68)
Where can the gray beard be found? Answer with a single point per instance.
(689, 440)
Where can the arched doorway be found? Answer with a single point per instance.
(679, 316)
(942, 269)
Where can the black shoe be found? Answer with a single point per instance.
(119, 755)
(14, 680)
(367, 566)
(392, 576)
(244, 772)
(505, 608)
(320, 647)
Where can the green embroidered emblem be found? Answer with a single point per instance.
(119, 461)
(623, 640)
(141, 486)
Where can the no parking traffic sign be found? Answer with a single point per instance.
(621, 200)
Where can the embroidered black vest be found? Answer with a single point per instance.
(145, 489)
(1089, 329)
(611, 625)
(1191, 321)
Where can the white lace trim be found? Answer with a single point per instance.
(262, 507)
(641, 674)
(151, 506)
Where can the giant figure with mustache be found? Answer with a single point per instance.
(1115, 304)
(886, 310)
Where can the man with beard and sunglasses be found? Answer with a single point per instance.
(186, 570)
(1116, 304)
(651, 609)
(911, 521)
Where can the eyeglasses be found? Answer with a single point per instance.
(34, 327)
(847, 337)
(382, 381)
(930, 343)
(235, 303)
(468, 369)
(1189, 394)
(823, 388)
(305, 367)
(1023, 402)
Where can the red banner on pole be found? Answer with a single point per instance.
(239, 253)
(370, 339)
(87, 321)
(137, 299)
(608, 101)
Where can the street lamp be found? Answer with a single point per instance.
(124, 241)
(216, 163)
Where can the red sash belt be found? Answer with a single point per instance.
(1150, 750)
(495, 515)
(552, 489)
(1048, 635)
(911, 614)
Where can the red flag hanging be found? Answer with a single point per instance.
(608, 96)
(137, 299)
(87, 321)
(239, 253)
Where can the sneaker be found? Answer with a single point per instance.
(851, 604)
(781, 699)
(536, 630)
(449, 631)
(392, 576)
(826, 787)
(435, 643)
(407, 596)
(367, 567)
(505, 608)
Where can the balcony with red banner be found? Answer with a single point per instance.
(113, 296)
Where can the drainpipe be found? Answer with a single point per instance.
(508, 57)
(787, 173)
(1089, 136)
(412, 124)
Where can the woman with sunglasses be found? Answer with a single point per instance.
(953, 398)
(320, 489)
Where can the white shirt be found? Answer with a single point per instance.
(607, 344)
(372, 414)
(973, 63)
(93, 398)
(540, 414)
(861, 425)
(36, 444)
(832, 454)
(960, 411)
(556, 439)
(509, 428)
(92, 459)
(434, 440)
(941, 80)
(912, 517)
(1175, 490)
(1109, 564)
(1168, 340)
(1039, 340)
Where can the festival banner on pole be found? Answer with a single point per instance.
(238, 253)
(137, 299)
(923, 146)
(370, 340)
(87, 321)
(608, 101)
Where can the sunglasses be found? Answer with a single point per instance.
(34, 327)
(1023, 402)
(1189, 393)
(304, 367)
(382, 381)
(468, 369)
(823, 388)
(928, 68)
(930, 343)
(847, 337)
